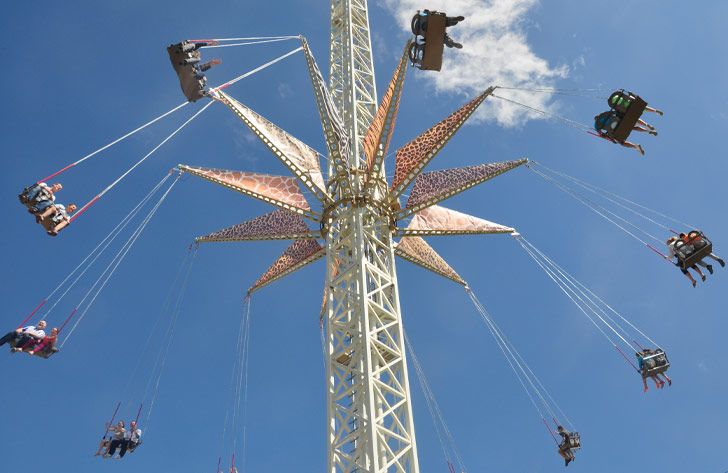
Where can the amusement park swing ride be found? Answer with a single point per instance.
(359, 223)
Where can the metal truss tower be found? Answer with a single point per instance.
(371, 428)
(369, 413)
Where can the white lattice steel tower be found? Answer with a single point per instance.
(371, 428)
(370, 422)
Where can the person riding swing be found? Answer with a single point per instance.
(566, 445)
(653, 364)
(39, 196)
(56, 217)
(24, 337)
(606, 124)
(672, 252)
(623, 118)
(430, 30)
(185, 58)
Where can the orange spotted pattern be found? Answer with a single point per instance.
(277, 225)
(283, 189)
(299, 254)
(412, 157)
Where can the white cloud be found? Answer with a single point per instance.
(496, 52)
(285, 91)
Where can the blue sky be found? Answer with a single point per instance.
(78, 75)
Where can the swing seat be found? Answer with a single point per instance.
(621, 100)
(45, 354)
(690, 252)
(344, 358)
(574, 442)
(133, 446)
(655, 364)
(23, 196)
(416, 25)
(192, 87)
(629, 119)
(433, 47)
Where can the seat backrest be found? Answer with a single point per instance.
(683, 250)
(620, 101)
(657, 359)
(434, 42)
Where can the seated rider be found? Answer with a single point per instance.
(25, 336)
(189, 46)
(605, 123)
(620, 101)
(698, 242)
(118, 432)
(132, 439)
(200, 73)
(641, 355)
(419, 26)
(671, 253)
(39, 197)
(46, 346)
(56, 218)
(565, 445)
(103, 447)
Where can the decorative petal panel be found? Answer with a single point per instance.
(337, 139)
(296, 256)
(376, 141)
(415, 155)
(282, 191)
(433, 187)
(301, 159)
(438, 220)
(417, 251)
(277, 225)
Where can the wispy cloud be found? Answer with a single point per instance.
(245, 143)
(285, 91)
(496, 52)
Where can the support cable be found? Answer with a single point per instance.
(587, 93)
(543, 389)
(598, 209)
(595, 297)
(167, 304)
(249, 43)
(236, 413)
(506, 347)
(586, 299)
(114, 264)
(109, 145)
(577, 296)
(100, 248)
(611, 195)
(578, 301)
(169, 338)
(246, 361)
(257, 69)
(444, 434)
(128, 171)
(160, 117)
(253, 38)
(567, 121)
(513, 361)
